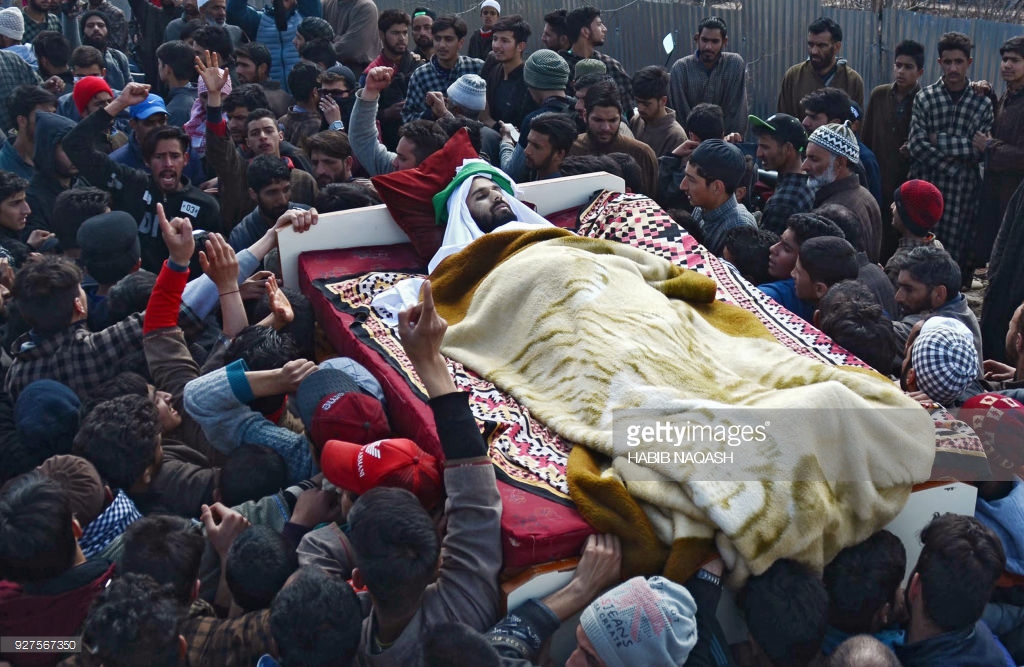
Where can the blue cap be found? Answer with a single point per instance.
(153, 104)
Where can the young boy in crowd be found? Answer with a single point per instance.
(783, 255)
(916, 209)
(864, 593)
(822, 262)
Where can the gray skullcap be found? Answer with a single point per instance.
(838, 140)
(546, 70)
(314, 27)
(12, 23)
(721, 161)
(589, 66)
(944, 359)
(642, 622)
(469, 91)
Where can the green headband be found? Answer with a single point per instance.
(440, 200)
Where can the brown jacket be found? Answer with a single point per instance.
(638, 150)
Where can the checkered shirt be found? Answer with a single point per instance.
(13, 72)
(115, 519)
(75, 357)
(951, 164)
(792, 195)
(615, 71)
(433, 77)
(52, 22)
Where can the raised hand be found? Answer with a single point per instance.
(177, 233)
(223, 525)
(280, 306)
(377, 79)
(214, 77)
(218, 261)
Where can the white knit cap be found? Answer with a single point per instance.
(838, 140)
(492, 4)
(469, 91)
(12, 23)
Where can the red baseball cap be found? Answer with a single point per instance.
(333, 407)
(395, 462)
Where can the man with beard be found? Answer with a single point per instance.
(274, 27)
(143, 119)
(136, 191)
(587, 32)
(117, 24)
(262, 137)
(393, 26)
(270, 187)
(38, 18)
(443, 69)
(711, 75)
(479, 200)
(604, 115)
(422, 23)
(95, 34)
(331, 155)
(947, 115)
(821, 69)
(831, 149)
(153, 21)
(780, 142)
(508, 98)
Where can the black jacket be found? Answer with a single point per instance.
(134, 191)
(44, 186)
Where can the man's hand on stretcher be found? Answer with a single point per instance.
(599, 568)
(421, 330)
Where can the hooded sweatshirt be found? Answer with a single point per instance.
(44, 186)
(135, 191)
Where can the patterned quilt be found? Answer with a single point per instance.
(527, 453)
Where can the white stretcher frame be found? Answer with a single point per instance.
(374, 226)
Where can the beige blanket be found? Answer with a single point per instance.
(577, 329)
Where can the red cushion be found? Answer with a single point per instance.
(408, 193)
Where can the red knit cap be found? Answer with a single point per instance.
(88, 88)
(920, 206)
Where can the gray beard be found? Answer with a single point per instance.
(818, 182)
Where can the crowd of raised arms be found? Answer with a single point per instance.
(183, 485)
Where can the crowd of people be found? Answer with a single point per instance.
(183, 485)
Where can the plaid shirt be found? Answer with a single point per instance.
(52, 22)
(227, 642)
(13, 72)
(615, 71)
(115, 519)
(951, 164)
(75, 357)
(725, 84)
(792, 195)
(433, 77)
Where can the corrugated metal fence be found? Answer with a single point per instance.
(769, 34)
